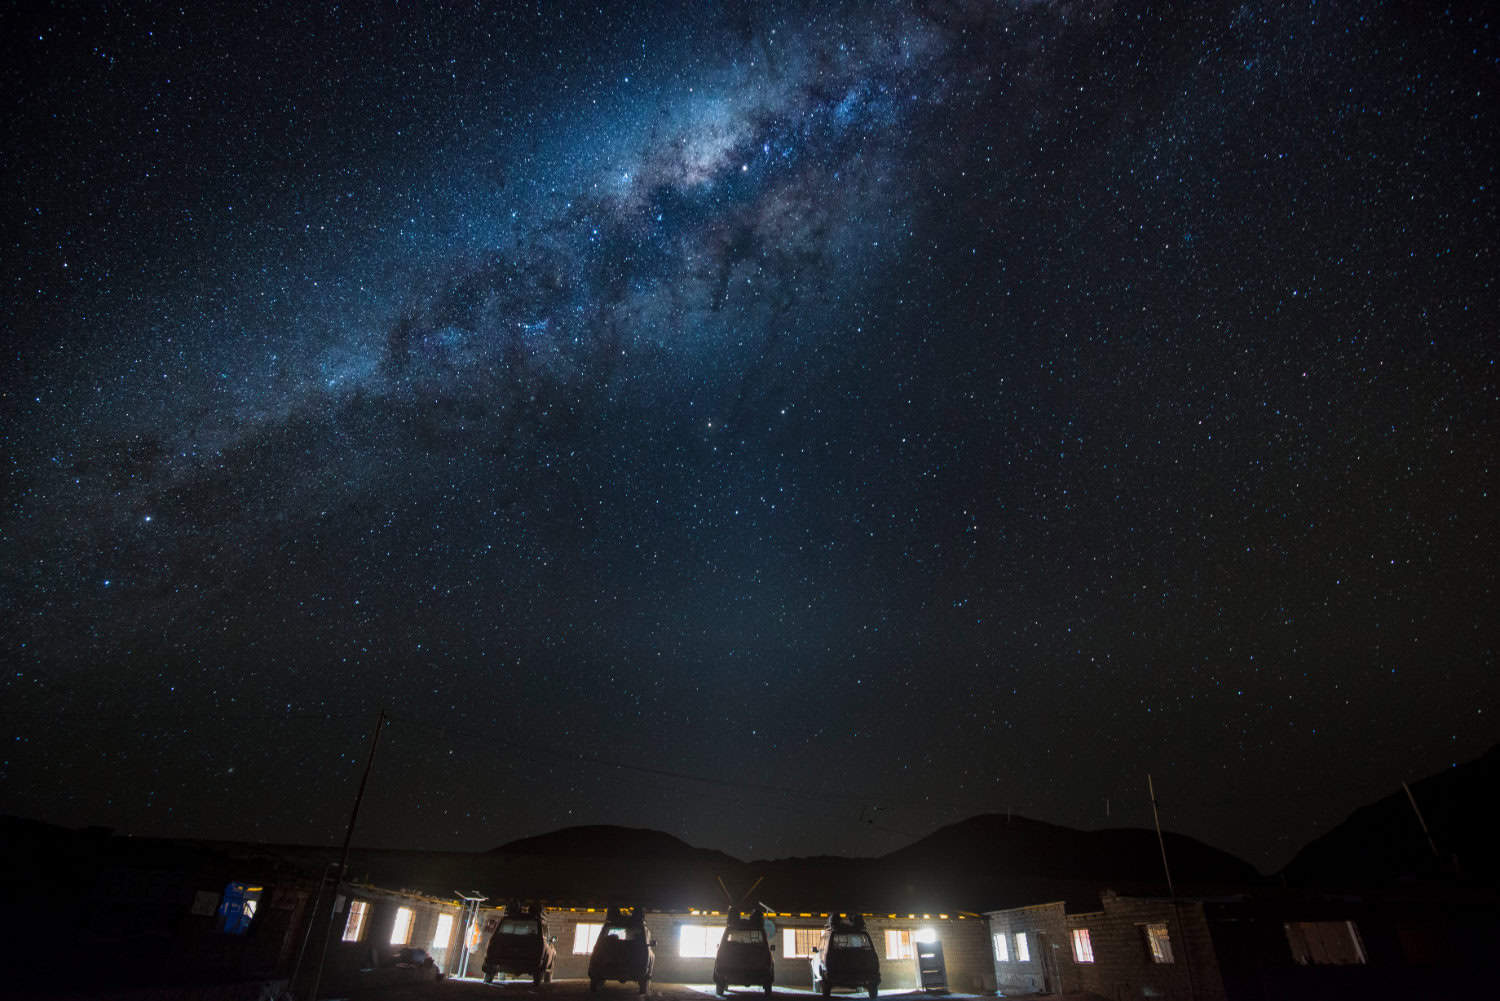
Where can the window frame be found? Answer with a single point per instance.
(1002, 946)
(1158, 949)
(1311, 951)
(439, 939)
(590, 932)
(405, 922)
(899, 944)
(789, 937)
(704, 939)
(356, 920)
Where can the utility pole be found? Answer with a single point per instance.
(312, 919)
(1187, 953)
(343, 867)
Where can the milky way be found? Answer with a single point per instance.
(792, 430)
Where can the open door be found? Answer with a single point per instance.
(932, 971)
(1047, 959)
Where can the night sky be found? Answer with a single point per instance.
(793, 429)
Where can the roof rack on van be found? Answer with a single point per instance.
(753, 918)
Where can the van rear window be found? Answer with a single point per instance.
(845, 940)
(517, 926)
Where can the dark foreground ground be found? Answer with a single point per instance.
(578, 990)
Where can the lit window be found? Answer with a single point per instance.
(354, 928)
(585, 934)
(1158, 942)
(1083, 948)
(401, 930)
(1002, 947)
(898, 944)
(443, 934)
(1023, 951)
(699, 941)
(1325, 942)
(926, 936)
(798, 943)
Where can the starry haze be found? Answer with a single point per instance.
(790, 426)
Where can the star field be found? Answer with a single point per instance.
(793, 430)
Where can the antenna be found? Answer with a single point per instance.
(1187, 956)
(746, 895)
(317, 974)
(1423, 821)
(735, 906)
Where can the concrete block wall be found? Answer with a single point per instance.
(1123, 967)
(374, 948)
(964, 938)
(969, 955)
(1044, 926)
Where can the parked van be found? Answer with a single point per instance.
(845, 957)
(521, 946)
(744, 955)
(624, 951)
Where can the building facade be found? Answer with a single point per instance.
(1251, 946)
(686, 942)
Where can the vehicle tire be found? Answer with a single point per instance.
(874, 989)
(721, 988)
(827, 988)
(645, 986)
(768, 987)
(594, 983)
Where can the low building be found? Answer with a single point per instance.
(95, 913)
(686, 942)
(1247, 947)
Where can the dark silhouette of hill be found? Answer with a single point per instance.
(993, 861)
(1382, 843)
(609, 841)
(1046, 849)
(983, 863)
